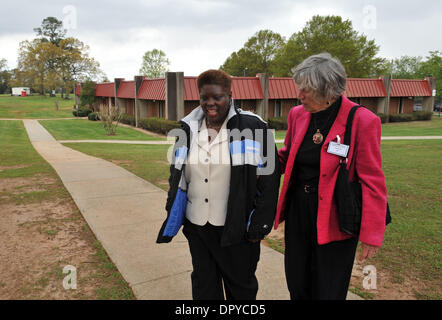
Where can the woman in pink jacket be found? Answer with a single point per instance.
(318, 256)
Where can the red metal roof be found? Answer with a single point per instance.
(105, 89)
(78, 89)
(126, 90)
(365, 87)
(153, 89)
(246, 88)
(191, 92)
(282, 88)
(410, 88)
(242, 88)
(250, 88)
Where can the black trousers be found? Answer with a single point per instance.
(212, 265)
(314, 272)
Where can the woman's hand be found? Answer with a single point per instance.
(368, 251)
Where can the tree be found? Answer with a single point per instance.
(256, 56)
(155, 64)
(3, 64)
(406, 67)
(75, 65)
(432, 66)
(51, 30)
(87, 95)
(336, 36)
(55, 61)
(5, 76)
(34, 67)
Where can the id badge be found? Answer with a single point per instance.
(338, 148)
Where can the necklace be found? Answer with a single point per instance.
(318, 137)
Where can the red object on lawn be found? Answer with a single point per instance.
(23, 93)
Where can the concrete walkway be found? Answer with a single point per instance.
(125, 213)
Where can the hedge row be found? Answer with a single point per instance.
(81, 112)
(128, 119)
(405, 117)
(158, 125)
(281, 123)
(163, 126)
(277, 123)
(94, 116)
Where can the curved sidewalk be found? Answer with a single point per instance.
(125, 213)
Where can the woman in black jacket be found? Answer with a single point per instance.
(224, 186)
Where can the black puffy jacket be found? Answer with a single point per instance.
(254, 179)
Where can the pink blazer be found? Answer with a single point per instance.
(364, 159)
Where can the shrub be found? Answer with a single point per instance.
(109, 118)
(402, 117)
(422, 115)
(382, 116)
(128, 119)
(158, 125)
(277, 123)
(83, 112)
(93, 116)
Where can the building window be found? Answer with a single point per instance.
(417, 104)
(277, 108)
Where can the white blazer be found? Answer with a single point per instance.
(207, 173)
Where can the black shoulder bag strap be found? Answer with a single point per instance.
(347, 140)
(349, 126)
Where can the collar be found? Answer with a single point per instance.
(203, 136)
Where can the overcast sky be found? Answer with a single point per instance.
(197, 35)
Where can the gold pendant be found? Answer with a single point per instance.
(318, 137)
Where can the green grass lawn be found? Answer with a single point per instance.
(280, 134)
(412, 246)
(35, 107)
(412, 242)
(80, 129)
(18, 152)
(146, 161)
(413, 128)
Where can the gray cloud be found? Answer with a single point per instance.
(197, 34)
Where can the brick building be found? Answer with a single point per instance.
(175, 95)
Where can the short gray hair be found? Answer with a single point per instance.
(323, 74)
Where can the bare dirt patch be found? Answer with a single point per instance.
(386, 287)
(39, 238)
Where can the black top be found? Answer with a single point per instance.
(307, 162)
